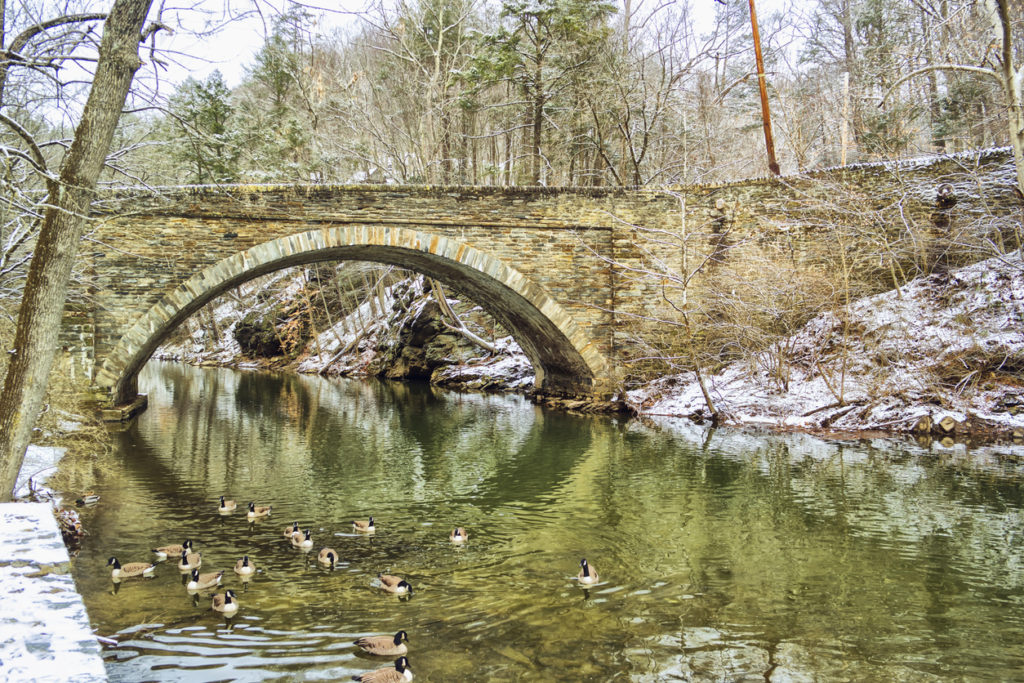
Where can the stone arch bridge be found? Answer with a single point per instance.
(578, 275)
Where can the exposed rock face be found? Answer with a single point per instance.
(423, 346)
(256, 335)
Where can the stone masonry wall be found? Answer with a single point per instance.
(606, 255)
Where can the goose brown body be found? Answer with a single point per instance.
(226, 506)
(588, 574)
(201, 581)
(364, 526)
(127, 571)
(394, 584)
(458, 535)
(327, 556)
(258, 510)
(225, 602)
(292, 529)
(190, 561)
(245, 566)
(303, 540)
(165, 551)
(387, 646)
(399, 673)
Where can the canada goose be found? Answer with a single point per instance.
(394, 584)
(458, 535)
(165, 551)
(587, 573)
(384, 645)
(190, 561)
(225, 602)
(364, 526)
(302, 541)
(245, 566)
(293, 529)
(329, 557)
(400, 673)
(258, 510)
(126, 571)
(201, 581)
(226, 506)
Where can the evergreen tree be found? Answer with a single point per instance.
(277, 108)
(541, 46)
(207, 147)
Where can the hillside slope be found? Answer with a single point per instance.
(944, 354)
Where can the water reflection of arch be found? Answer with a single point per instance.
(565, 360)
(310, 424)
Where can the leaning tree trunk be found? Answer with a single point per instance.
(42, 305)
(1012, 77)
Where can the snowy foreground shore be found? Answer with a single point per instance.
(942, 356)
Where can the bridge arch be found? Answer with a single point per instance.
(565, 360)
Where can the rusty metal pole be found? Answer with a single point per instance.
(766, 115)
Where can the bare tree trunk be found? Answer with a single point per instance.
(327, 310)
(452, 321)
(844, 126)
(1012, 77)
(934, 105)
(214, 327)
(537, 126)
(695, 360)
(309, 314)
(42, 305)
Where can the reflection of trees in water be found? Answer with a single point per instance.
(231, 428)
(221, 420)
(806, 539)
(752, 551)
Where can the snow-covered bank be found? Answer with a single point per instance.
(45, 633)
(944, 355)
(400, 333)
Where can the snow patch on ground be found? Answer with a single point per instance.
(509, 371)
(44, 630)
(950, 344)
(37, 466)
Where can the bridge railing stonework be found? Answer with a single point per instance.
(577, 274)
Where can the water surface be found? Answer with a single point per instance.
(722, 556)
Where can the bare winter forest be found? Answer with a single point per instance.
(554, 92)
(583, 92)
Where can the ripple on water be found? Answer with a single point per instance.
(245, 652)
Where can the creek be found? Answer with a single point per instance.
(723, 555)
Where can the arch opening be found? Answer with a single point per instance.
(565, 361)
